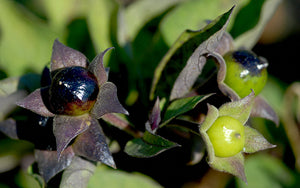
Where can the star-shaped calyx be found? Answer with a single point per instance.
(227, 136)
(78, 95)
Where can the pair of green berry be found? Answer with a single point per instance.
(244, 72)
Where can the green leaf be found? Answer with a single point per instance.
(266, 171)
(137, 14)
(181, 106)
(148, 146)
(190, 15)
(251, 20)
(105, 177)
(77, 174)
(26, 41)
(99, 23)
(181, 51)
(60, 13)
(25, 180)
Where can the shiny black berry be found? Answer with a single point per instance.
(73, 91)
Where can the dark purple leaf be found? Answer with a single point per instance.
(66, 128)
(97, 68)
(34, 102)
(262, 109)
(48, 164)
(9, 128)
(107, 101)
(92, 145)
(154, 118)
(189, 50)
(63, 56)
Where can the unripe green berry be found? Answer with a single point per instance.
(245, 71)
(227, 136)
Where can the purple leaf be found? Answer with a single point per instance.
(154, 118)
(34, 102)
(48, 164)
(66, 128)
(92, 145)
(107, 101)
(262, 109)
(97, 68)
(196, 61)
(9, 128)
(63, 56)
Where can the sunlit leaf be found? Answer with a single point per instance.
(25, 40)
(138, 13)
(251, 20)
(77, 174)
(191, 15)
(267, 171)
(106, 177)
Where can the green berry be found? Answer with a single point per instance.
(245, 71)
(227, 136)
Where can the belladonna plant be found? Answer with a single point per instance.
(69, 105)
(227, 136)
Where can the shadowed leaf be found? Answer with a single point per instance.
(8, 103)
(257, 14)
(9, 128)
(78, 173)
(148, 146)
(97, 68)
(64, 56)
(107, 101)
(154, 118)
(181, 106)
(255, 141)
(66, 128)
(92, 145)
(187, 54)
(34, 102)
(48, 164)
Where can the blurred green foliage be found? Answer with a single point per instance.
(141, 31)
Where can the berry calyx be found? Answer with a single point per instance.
(227, 136)
(73, 91)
